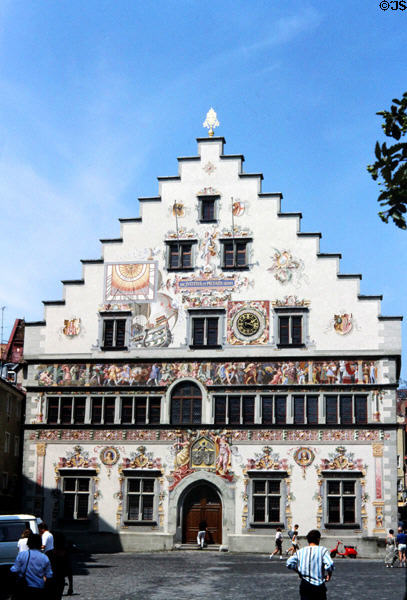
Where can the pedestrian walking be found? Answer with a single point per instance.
(401, 541)
(47, 540)
(293, 534)
(22, 542)
(32, 568)
(391, 550)
(279, 544)
(201, 534)
(314, 566)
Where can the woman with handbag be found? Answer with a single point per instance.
(32, 569)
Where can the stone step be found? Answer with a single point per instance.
(209, 548)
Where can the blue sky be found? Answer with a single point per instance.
(97, 99)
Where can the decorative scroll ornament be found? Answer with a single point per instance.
(267, 461)
(304, 457)
(141, 460)
(77, 459)
(342, 461)
(290, 301)
(211, 121)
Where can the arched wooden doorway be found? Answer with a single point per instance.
(202, 503)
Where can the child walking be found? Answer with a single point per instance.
(279, 544)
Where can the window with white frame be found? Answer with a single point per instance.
(7, 438)
(341, 508)
(114, 330)
(186, 404)
(274, 409)
(235, 254)
(290, 326)
(140, 410)
(346, 409)
(77, 494)
(180, 255)
(141, 490)
(267, 499)
(234, 409)
(66, 410)
(206, 328)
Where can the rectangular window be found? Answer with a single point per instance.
(205, 330)
(140, 410)
(290, 330)
(305, 410)
(114, 334)
(266, 500)
(103, 410)
(53, 410)
(234, 409)
(76, 496)
(140, 498)
(274, 409)
(346, 409)
(7, 438)
(280, 409)
(180, 255)
(79, 410)
(4, 481)
(9, 404)
(341, 502)
(267, 410)
(235, 254)
(207, 209)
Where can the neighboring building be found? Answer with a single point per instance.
(11, 410)
(402, 453)
(12, 354)
(213, 365)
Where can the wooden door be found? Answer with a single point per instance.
(202, 504)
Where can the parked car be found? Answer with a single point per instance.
(11, 528)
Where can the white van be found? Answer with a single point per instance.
(11, 528)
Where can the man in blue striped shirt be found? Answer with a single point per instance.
(314, 566)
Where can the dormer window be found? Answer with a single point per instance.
(114, 330)
(208, 209)
(180, 255)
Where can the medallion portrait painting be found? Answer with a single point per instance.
(136, 282)
(109, 456)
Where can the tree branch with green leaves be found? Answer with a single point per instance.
(391, 165)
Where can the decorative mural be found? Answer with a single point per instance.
(248, 322)
(290, 301)
(285, 267)
(209, 168)
(209, 373)
(72, 327)
(209, 450)
(208, 191)
(304, 457)
(77, 459)
(136, 282)
(141, 460)
(164, 435)
(205, 299)
(181, 234)
(238, 207)
(236, 231)
(342, 460)
(208, 248)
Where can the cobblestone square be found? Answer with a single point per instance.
(189, 575)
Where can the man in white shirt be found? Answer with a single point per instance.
(47, 540)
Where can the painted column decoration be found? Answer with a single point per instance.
(378, 503)
(39, 479)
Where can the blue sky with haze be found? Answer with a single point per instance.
(97, 99)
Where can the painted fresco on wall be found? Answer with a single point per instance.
(181, 234)
(267, 460)
(72, 327)
(284, 267)
(209, 168)
(77, 459)
(248, 322)
(238, 207)
(208, 191)
(134, 282)
(208, 248)
(343, 323)
(290, 301)
(304, 457)
(237, 231)
(342, 460)
(205, 449)
(141, 460)
(205, 299)
(209, 373)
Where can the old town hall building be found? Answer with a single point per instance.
(214, 365)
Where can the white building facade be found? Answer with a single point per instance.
(213, 366)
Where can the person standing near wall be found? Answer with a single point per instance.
(314, 566)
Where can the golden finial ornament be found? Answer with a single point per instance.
(211, 121)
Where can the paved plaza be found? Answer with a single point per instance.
(190, 575)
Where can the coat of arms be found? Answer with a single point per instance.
(343, 323)
(71, 327)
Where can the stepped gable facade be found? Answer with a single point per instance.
(213, 365)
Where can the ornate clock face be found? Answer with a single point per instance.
(248, 323)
